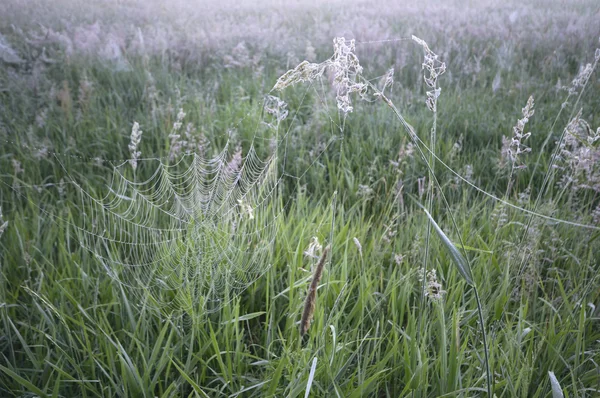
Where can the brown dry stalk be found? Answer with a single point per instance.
(309, 303)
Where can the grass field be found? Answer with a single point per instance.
(460, 255)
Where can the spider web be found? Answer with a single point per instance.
(190, 236)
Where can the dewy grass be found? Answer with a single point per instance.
(68, 329)
(459, 260)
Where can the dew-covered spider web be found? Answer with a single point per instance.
(192, 234)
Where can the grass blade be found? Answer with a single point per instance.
(22, 381)
(557, 391)
(311, 377)
(459, 260)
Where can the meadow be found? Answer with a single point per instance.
(189, 209)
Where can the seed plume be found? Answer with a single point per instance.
(309, 303)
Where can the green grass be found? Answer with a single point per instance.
(67, 329)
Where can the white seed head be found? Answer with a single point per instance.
(358, 245)
(136, 137)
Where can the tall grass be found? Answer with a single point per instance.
(66, 329)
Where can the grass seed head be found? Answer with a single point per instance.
(136, 138)
(311, 297)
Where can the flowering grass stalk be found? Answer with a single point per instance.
(136, 138)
